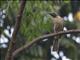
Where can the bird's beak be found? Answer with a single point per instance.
(53, 14)
(50, 14)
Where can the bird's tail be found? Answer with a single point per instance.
(56, 44)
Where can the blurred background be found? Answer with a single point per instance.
(36, 22)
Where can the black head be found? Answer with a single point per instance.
(53, 14)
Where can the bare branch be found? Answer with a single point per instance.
(16, 28)
(26, 46)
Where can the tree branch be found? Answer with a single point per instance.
(26, 46)
(16, 28)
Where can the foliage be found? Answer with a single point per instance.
(37, 21)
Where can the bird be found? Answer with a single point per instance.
(57, 22)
